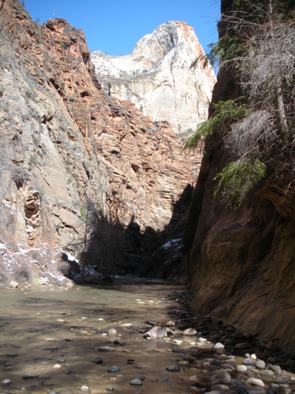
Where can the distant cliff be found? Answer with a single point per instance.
(162, 76)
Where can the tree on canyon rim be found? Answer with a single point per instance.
(258, 46)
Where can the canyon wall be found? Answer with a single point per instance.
(163, 76)
(67, 148)
(242, 261)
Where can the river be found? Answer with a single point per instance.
(91, 339)
(52, 340)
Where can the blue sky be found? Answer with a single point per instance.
(114, 26)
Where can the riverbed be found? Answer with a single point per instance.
(95, 340)
(59, 341)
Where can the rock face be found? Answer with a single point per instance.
(242, 262)
(66, 147)
(162, 76)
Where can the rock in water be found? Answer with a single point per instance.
(112, 331)
(114, 369)
(157, 332)
(173, 368)
(136, 382)
(162, 76)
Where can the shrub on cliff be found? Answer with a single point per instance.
(236, 179)
(258, 43)
(225, 113)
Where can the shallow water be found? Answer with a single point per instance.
(50, 337)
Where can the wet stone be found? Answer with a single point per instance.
(118, 342)
(136, 382)
(112, 332)
(105, 349)
(6, 382)
(29, 376)
(96, 360)
(173, 368)
(114, 369)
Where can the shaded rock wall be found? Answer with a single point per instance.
(242, 263)
(64, 143)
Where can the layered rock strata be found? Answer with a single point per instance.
(163, 76)
(66, 146)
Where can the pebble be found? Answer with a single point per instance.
(157, 332)
(57, 366)
(276, 368)
(96, 360)
(110, 389)
(112, 331)
(114, 369)
(177, 341)
(170, 323)
(241, 368)
(248, 361)
(218, 346)
(224, 377)
(255, 382)
(267, 373)
(84, 388)
(126, 325)
(6, 381)
(189, 332)
(105, 349)
(13, 284)
(221, 387)
(173, 368)
(136, 382)
(260, 364)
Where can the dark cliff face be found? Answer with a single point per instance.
(242, 262)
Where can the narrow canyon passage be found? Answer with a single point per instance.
(124, 338)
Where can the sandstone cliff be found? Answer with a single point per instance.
(242, 262)
(162, 76)
(66, 145)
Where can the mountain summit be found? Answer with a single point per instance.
(162, 76)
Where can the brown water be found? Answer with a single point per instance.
(49, 339)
